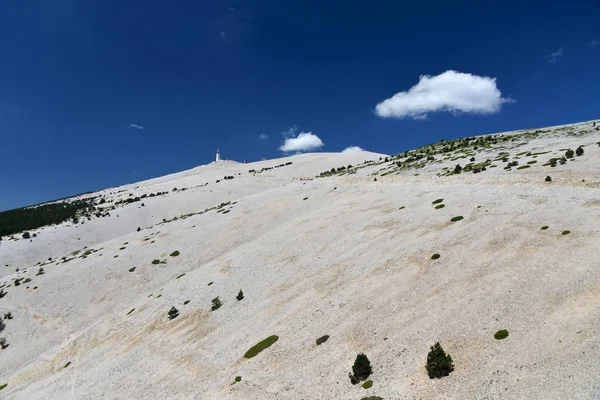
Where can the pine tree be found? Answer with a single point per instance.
(457, 169)
(240, 296)
(173, 313)
(216, 304)
(361, 369)
(3, 343)
(439, 364)
(579, 151)
(569, 153)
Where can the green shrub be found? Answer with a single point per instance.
(435, 256)
(131, 269)
(3, 343)
(139, 229)
(544, 227)
(458, 218)
(579, 151)
(524, 166)
(566, 232)
(130, 311)
(67, 364)
(569, 153)
(41, 271)
(457, 169)
(210, 283)
(238, 379)
(155, 262)
(122, 248)
(372, 398)
(437, 201)
(367, 384)
(173, 313)
(322, 339)
(180, 276)
(440, 206)
(3, 386)
(501, 334)
(439, 364)
(548, 179)
(174, 254)
(216, 304)
(260, 346)
(361, 369)
(186, 302)
(240, 296)
(306, 198)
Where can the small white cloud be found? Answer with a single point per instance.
(303, 142)
(263, 136)
(553, 57)
(352, 149)
(451, 91)
(223, 34)
(138, 127)
(593, 43)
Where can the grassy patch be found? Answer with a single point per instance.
(440, 206)
(130, 311)
(544, 227)
(524, 166)
(501, 334)
(260, 346)
(457, 218)
(131, 269)
(367, 384)
(226, 211)
(175, 253)
(322, 339)
(180, 276)
(437, 201)
(435, 256)
(566, 232)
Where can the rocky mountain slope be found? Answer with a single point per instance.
(366, 248)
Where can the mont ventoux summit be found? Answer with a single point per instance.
(385, 246)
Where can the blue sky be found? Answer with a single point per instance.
(97, 93)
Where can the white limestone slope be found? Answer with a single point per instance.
(345, 256)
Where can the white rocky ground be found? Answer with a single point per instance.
(342, 255)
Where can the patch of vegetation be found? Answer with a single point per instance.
(173, 313)
(322, 339)
(238, 379)
(3, 386)
(566, 232)
(180, 276)
(155, 262)
(401, 208)
(130, 311)
(569, 153)
(260, 346)
(240, 296)
(372, 398)
(122, 248)
(361, 369)
(435, 256)
(67, 364)
(3, 343)
(524, 166)
(216, 304)
(226, 211)
(501, 334)
(457, 218)
(186, 302)
(544, 227)
(210, 283)
(306, 198)
(368, 384)
(548, 179)
(33, 217)
(440, 206)
(579, 151)
(439, 364)
(131, 269)
(437, 201)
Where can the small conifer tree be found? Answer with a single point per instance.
(548, 179)
(457, 169)
(579, 151)
(439, 364)
(240, 296)
(361, 369)
(216, 304)
(173, 313)
(569, 153)
(3, 343)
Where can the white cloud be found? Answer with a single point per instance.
(290, 133)
(303, 142)
(451, 91)
(138, 127)
(352, 149)
(263, 136)
(553, 57)
(593, 43)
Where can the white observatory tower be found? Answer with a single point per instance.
(218, 156)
